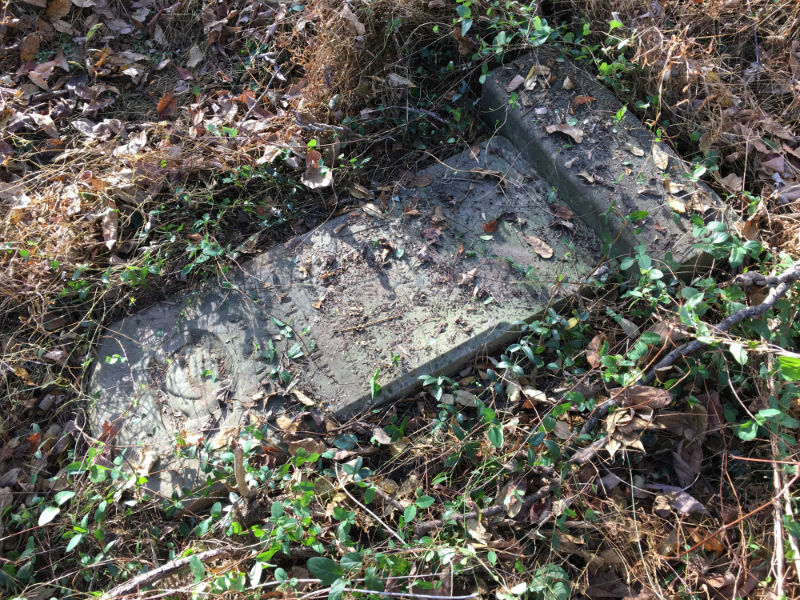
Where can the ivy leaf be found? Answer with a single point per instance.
(739, 353)
(48, 514)
(64, 496)
(425, 501)
(496, 436)
(409, 513)
(197, 568)
(790, 367)
(326, 570)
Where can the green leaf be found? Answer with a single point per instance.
(255, 573)
(409, 513)
(48, 514)
(372, 581)
(648, 337)
(739, 353)
(351, 560)
(92, 31)
(495, 434)
(64, 496)
(747, 431)
(425, 501)
(73, 543)
(790, 367)
(626, 263)
(337, 589)
(325, 569)
(197, 568)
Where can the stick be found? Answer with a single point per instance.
(150, 577)
(782, 283)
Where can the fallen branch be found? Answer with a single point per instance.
(150, 577)
(779, 285)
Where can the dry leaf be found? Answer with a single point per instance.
(639, 396)
(29, 47)
(310, 445)
(58, 9)
(676, 204)
(587, 176)
(750, 228)
(562, 212)
(593, 350)
(539, 246)
(423, 180)
(467, 278)
(579, 100)
(396, 80)
(349, 16)
(490, 226)
(515, 82)
(732, 181)
(634, 149)
(167, 106)
(476, 531)
(574, 132)
(660, 157)
(359, 192)
(316, 176)
(568, 84)
(196, 56)
(303, 398)
(110, 226)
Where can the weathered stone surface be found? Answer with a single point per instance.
(605, 165)
(442, 273)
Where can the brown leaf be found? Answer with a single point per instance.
(579, 100)
(660, 157)
(467, 278)
(539, 246)
(515, 82)
(593, 350)
(349, 16)
(490, 226)
(562, 212)
(58, 9)
(167, 106)
(750, 228)
(638, 396)
(574, 132)
(110, 226)
(315, 175)
(29, 47)
(423, 180)
(196, 56)
(732, 181)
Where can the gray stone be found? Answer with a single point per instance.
(614, 170)
(416, 289)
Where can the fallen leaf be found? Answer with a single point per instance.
(349, 16)
(660, 157)
(574, 132)
(680, 501)
(476, 531)
(732, 181)
(467, 278)
(562, 212)
(593, 350)
(639, 396)
(568, 84)
(360, 192)
(110, 225)
(676, 204)
(423, 180)
(539, 246)
(587, 176)
(167, 106)
(490, 226)
(396, 80)
(381, 436)
(310, 445)
(196, 56)
(750, 228)
(58, 9)
(303, 398)
(29, 47)
(634, 149)
(316, 175)
(579, 100)
(515, 82)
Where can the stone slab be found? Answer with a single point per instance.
(416, 287)
(614, 169)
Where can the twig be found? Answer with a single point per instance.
(365, 509)
(150, 577)
(782, 283)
